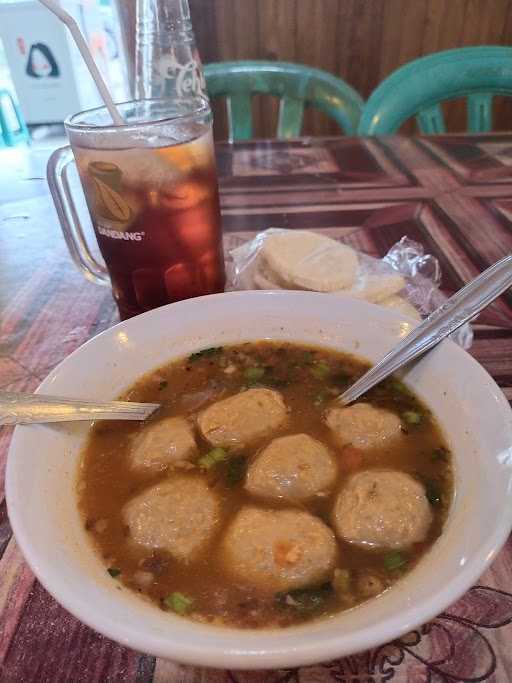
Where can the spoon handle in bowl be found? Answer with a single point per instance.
(35, 408)
(459, 308)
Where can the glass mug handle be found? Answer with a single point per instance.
(58, 181)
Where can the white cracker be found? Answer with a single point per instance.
(307, 260)
(263, 282)
(376, 288)
(265, 278)
(397, 303)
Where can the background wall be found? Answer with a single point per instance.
(362, 41)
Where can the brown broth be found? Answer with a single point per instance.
(186, 386)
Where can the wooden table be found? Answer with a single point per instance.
(452, 194)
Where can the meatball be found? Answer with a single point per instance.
(179, 515)
(278, 550)
(241, 419)
(383, 509)
(163, 443)
(363, 426)
(293, 467)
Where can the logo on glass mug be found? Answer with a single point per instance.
(110, 204)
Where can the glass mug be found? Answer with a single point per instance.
(151, 189)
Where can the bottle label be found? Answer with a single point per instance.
(184, 78)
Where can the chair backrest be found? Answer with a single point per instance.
(416, 89)
(296, 86)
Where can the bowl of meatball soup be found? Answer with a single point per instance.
(253, 521)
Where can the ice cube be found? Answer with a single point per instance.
(210, 271)
(183, 195)
(196, 155)
(137, 167)
(183, 281)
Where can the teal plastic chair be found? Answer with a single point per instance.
(10, 113)
(416, 89)
(296, 85)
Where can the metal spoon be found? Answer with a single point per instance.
(460, 308)
(37, 408)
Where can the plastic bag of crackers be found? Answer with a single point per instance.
(405, 280)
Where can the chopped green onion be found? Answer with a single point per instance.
(235, 470)
(341, 580)
(305, 599)
(320, 370)
(341, 380)
(254, 374)
(412, 417)
(321, 397)
(178, 602)
(113, 571)
(432, 493)
(204, 353)
(397, 386)
(308, 357)
(394, 560)
(439, 454)
(213, 457)
(277, 382)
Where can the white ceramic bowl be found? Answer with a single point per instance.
(43, 463)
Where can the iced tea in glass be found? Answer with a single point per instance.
(151, 189)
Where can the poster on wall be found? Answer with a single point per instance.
(49, 75)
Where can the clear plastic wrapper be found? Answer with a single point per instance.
(406, 279)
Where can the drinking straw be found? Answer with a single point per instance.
(67, 19)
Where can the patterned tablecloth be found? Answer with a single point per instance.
(452, 194)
